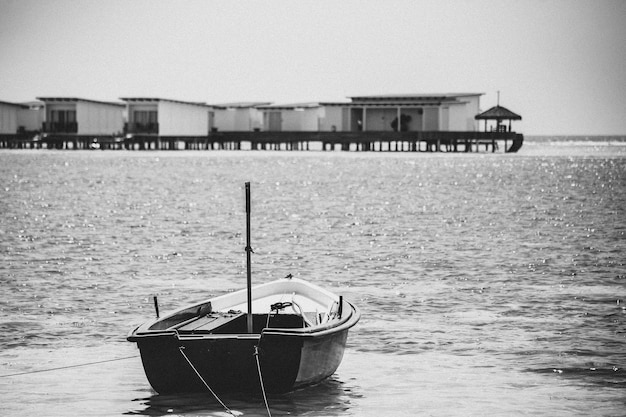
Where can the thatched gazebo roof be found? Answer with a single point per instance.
(498, 113)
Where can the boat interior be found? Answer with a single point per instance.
(201, 319)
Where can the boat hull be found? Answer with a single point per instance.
(228, 364)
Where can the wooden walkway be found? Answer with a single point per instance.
(290, 141)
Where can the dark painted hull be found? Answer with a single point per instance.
(228, 364)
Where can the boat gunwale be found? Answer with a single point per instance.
(315, 331)
(329, 327)
(341, 324)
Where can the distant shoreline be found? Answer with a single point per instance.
(575, 138)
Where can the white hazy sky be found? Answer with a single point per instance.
(561, 64)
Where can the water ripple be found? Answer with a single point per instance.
(499, 262)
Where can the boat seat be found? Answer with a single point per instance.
(210, 322)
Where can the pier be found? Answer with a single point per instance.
(447, 122)
(435, 141)
(380, 141)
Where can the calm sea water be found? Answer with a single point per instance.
(489, 284)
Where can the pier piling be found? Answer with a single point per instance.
(288, 141)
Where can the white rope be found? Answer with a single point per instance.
(258, 366)
(68, 366)
(181, 348)
(305, 320)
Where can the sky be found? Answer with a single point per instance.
(560, 64)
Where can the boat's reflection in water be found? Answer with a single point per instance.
(331, 397)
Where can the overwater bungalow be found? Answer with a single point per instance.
(19, 122)
(408, 113)
(297, 117)
(78, 123)
(237, 117)
(9, 124)
(159, 123)
(30, 117)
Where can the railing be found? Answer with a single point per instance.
(60, 127)
(142, 128)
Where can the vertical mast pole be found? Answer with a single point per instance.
(248, 258)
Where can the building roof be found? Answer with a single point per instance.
(35, 104)
(76, 99)
(415, 97)
(241, 105)
(498, 113)
(157, 99)
(293, 106)
(405, 100)
(379, 101)
(21, 106)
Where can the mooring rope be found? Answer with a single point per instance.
(258, 367)
(182, 348)
(69, 366)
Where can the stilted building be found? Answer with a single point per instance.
(237, 117)
(409, 113)
(9, 124)
(77, 123)
(158, 123)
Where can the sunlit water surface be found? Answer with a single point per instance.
(489, 284)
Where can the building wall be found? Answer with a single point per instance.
(30, 119)
(51, 107)
(444, 118)
(238, 119)
(417, 118)
(306, 120)
(332, 119)
(249, 119)
(355, 115)
(431, 119)
(272, 121)
(457, 120)
(379, 119)
(133, 107)
(224, 120)
(8, 119)
(99, 118)
(374, 118)
(181, 119)
(461, 115)
(473, 108)
(67, 106)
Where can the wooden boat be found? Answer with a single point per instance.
(293, 335)
(299, 333)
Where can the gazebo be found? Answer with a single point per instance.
(499, 114)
